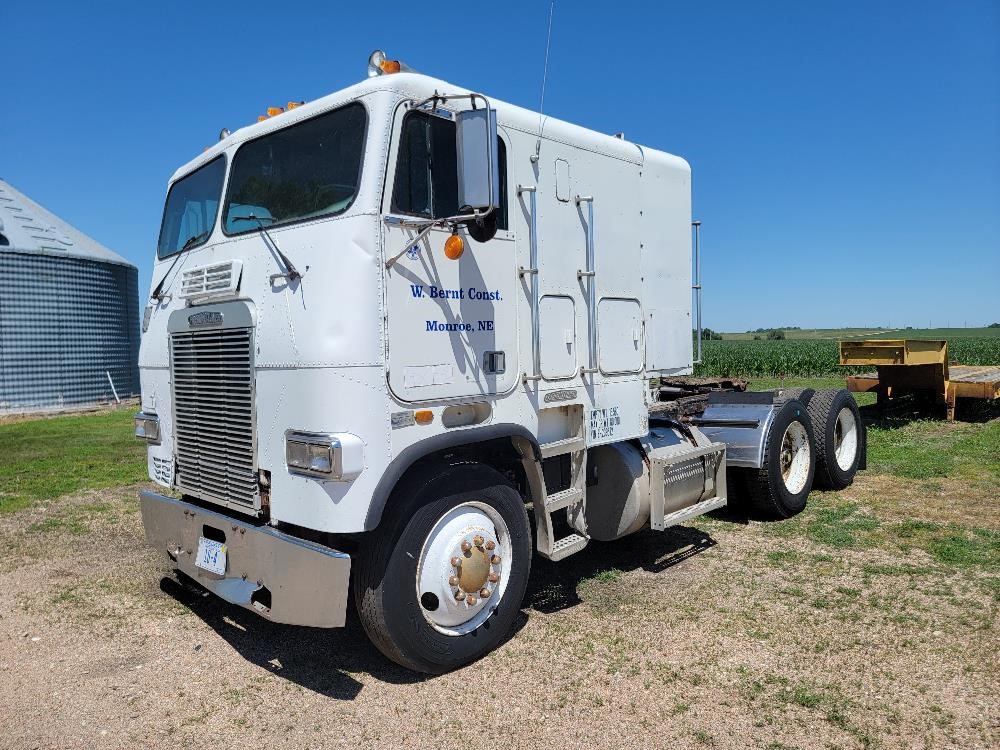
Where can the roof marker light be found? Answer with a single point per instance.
(379, 64)
(274, 111)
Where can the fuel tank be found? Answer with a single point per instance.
(619, 502)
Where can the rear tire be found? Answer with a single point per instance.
(406, 603)
(839, 437)
(780, 487)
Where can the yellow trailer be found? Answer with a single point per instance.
(916, 366)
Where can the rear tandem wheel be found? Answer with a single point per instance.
(839, 435)
(780, 487)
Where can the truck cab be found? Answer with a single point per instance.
(386, 327)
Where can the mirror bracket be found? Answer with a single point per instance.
(432, 103)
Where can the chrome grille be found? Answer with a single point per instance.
(212, 374)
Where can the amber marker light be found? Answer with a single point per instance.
(423, 416)
(379, 64)
(272, 111)
(454, 246)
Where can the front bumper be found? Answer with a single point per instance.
(278, 576)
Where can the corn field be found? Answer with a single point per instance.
(815, 357)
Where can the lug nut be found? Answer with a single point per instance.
(459, 596)
(493, 577)
(466, 546)
(478, 540)
(456, 561)
(491, 545)
(495, 559)
(471, 600)
(452, 580)
(484, 593)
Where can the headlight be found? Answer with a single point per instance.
(327, 456)
(147, 427)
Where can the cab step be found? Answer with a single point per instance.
(571, 500)
(567, 546)
(561, 447)
(698, 509)
(563, 499)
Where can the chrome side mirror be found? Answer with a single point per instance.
(478, 166)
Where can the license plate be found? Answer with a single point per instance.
(211, 556)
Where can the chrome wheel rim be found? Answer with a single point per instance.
(845, 439)
(462, 572)
(794, 458)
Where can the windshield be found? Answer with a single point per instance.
(302, 172)
(192, 204)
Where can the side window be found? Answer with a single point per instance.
(427, 171)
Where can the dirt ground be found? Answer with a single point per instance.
(727, 634)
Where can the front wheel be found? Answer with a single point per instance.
(440, 583)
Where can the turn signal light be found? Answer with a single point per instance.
(423, 416)
(454, 246)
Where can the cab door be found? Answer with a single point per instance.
(451, 325)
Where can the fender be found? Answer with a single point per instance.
(409, 456)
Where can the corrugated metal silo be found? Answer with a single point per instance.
(69, 313)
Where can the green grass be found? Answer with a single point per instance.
(42, 459)
(841, 526)
(832, 522)
(928, 449)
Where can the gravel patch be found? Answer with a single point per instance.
(723, 635)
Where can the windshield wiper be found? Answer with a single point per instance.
(192, 240)
(291, 272)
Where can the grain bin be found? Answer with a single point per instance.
(69, 314)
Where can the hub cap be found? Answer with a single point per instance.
(795, 457)
(463, 566)
(845, 439)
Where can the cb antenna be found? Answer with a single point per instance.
(545, 74)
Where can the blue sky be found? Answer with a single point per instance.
(846, 155)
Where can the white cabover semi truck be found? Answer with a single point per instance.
(391, 330)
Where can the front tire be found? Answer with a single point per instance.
(419, 607)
